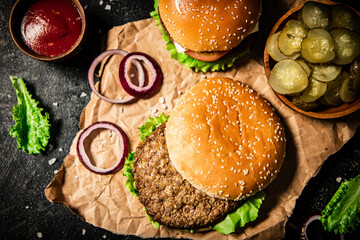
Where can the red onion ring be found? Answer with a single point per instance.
(140, 91)
(308, 222)
(98, 59)
(83, 157)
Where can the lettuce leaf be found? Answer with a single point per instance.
(342, 213)
(31, 128)
(245, 213)
(225, 62)
(151, 124)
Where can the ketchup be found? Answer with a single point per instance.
(51, 27)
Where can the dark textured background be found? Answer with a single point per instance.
(24, 209)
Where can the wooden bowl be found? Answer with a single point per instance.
(18, 12)
(326, 112)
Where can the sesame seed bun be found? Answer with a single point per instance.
(217, 26)
(225, 139)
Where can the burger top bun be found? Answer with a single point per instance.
(217, 25)
(225, 139)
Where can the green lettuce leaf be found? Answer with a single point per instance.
(342, 213)
(130, 181)
(225, 62)
(246, 213)
(31, 128)
(151, 124)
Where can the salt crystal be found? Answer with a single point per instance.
(338, 179)
(153, 111)
(135, 40)
(55, 104)
(101, 2)
(104, 236)
(27, 207)
(108, 7)
(203, 76)
(121, 109)
(163, 106)
(83, 94)
(56, 171)
(179, 92)
(161, 100)
(39, 234)
(60, 149)
(76, 177)
(52, 161)
(83, 232)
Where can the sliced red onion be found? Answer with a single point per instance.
(308, 222)
(140, 91)
(84, 159)
(98, 59)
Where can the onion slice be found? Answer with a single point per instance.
(308, 222)
(140, 91)
(84, 158)
(98, 59)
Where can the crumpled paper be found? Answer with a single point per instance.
(103, 200)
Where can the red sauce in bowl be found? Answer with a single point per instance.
(51, 27)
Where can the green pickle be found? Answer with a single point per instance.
(318, 57)
(318, 46)
(355, 73)
(291, 37)
(303, 105)
(332, 94)
(305, 66)
(314, 91)
(315, 15)
(344, 17)
(348, 91)
(326, 72)
(347, 45)
(288, 77)
(274, 51)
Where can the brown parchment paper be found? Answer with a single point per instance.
(103, 201)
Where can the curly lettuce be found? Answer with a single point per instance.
(342, 213)
(225, 62)
(151, 124)
(31, 128)
(245, 213)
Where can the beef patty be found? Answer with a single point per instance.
(168, 198)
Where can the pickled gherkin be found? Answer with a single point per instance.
(274, 51)
(315, 15)
(347, 45)
(305, 66)
(332, 94)
(326, 72)
(303, 105)
(291, 37)
(318, 46)
(348, 91)
(318, 56)
(314, 91)
(288, 77)
(344, 17)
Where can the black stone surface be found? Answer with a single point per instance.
(24, 210)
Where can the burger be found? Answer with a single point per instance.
(221, 145)
(204, 35)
